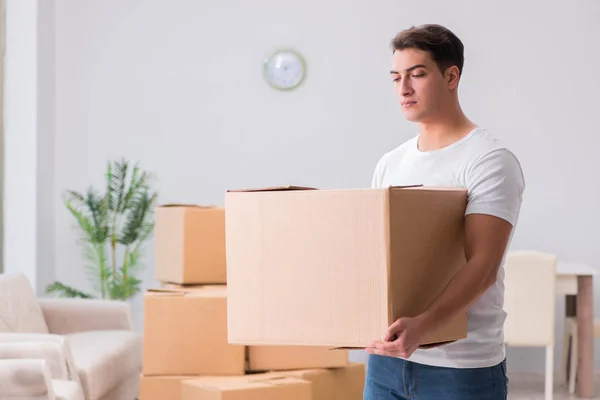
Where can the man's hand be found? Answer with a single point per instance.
(401, 339)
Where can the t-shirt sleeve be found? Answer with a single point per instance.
(496, 184)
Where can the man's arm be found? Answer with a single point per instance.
(486, 239)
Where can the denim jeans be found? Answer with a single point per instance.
(390, 378)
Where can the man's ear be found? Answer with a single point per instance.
(452, 77)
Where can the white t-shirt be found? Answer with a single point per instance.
(494, 180)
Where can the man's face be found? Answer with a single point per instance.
(422, 89)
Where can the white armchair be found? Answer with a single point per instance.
(89, 343)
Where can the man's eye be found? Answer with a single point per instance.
(418, 75)
(396, 79)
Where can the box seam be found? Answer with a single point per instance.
(388, 242)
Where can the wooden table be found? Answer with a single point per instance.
(576, 282)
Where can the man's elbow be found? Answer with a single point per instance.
(492, 275)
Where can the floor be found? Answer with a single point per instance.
(531, 387)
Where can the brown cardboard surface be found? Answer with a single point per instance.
(185, 333)
(322, 381)
(436, 223)
(267, 358)
(349, 382)
(162, 387)
(189, 244)
(337, 267)
(266, 388)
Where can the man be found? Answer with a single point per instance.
(449, 150)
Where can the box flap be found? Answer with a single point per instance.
(273, 189)
(184, 205)
(195, 291)
(431, 188)
(239, 383)
(433, 345)
(275, 379)
(165, 291)
(405, 186)
(423, 346)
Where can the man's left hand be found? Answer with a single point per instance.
(401, 339)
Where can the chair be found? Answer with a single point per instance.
(86, 342)
(530, 302)
(569, 358)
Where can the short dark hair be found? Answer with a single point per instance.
(445, 47)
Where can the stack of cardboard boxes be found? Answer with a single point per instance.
(187, 353)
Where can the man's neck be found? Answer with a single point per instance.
(436, 135)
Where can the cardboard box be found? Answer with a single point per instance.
(268, 358)
(185, 333)
(161, 387)
(345, 383)
(272, 388)
(337, 267)
(189, 244)
(349, 382)
(322, 383)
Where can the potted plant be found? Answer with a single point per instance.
(114, 227)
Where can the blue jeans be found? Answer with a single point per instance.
(390, 378)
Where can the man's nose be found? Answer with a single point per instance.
(405, 88)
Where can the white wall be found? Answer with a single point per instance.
(27, 164)
(46, 115)
(178, 86)
(20, 139)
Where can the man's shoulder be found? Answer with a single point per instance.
(398, 152)
(495, 181)
(485, 142)
(389, 159)
(487, 148)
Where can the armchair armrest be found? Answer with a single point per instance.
(35, 338)
(28, 379)
(64, 316)
(51, 352)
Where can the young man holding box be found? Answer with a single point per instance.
(449, 150)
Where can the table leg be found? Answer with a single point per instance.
(585, 339)
(570, 312)
(571, 305)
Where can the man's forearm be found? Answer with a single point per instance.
(461, 292)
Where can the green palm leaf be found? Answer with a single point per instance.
(123, 216)
(63, 290)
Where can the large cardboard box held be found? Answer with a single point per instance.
(185, 333)
(271, 388)
(269, 358)
(189, 244)
(337, 267)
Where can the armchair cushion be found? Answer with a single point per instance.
(19, 308)
(64, 316)
(104, 358)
